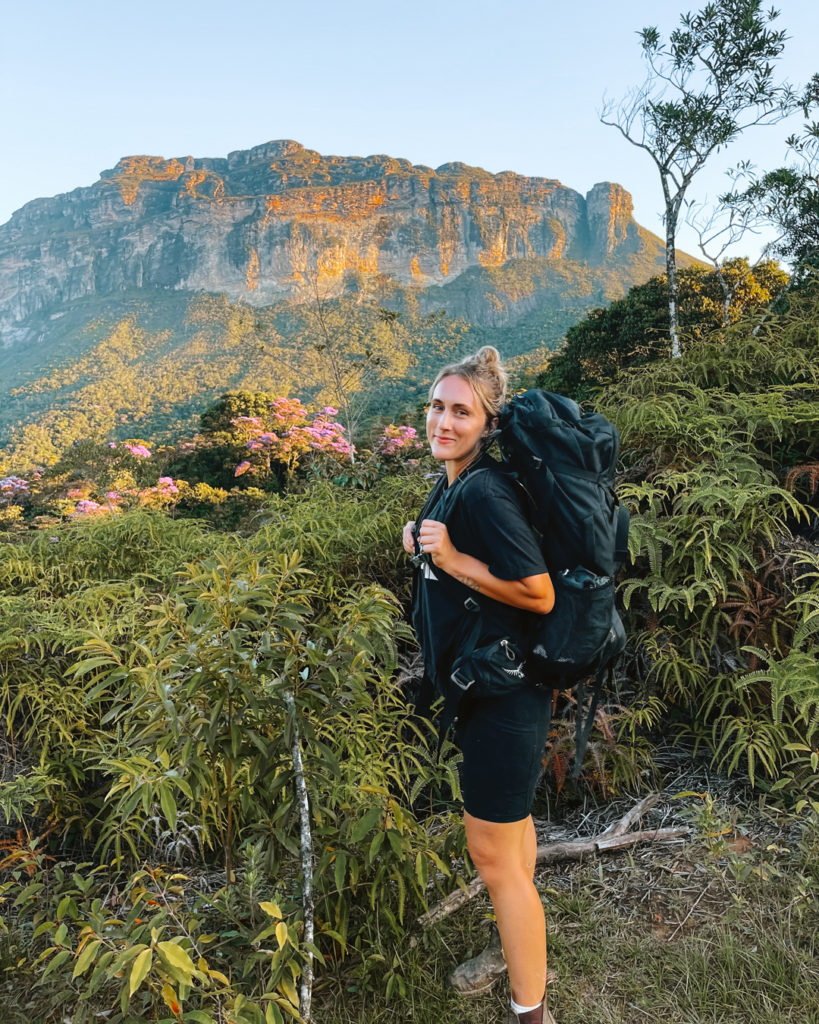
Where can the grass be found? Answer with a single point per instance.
(698, 935)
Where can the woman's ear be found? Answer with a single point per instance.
(491, 424)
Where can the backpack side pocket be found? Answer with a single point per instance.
(573, 636)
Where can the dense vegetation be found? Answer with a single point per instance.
(633, 331)
(189, 654)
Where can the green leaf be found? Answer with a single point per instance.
(288, 989)
(365, 823)
(140, 969)
(375, 846)
(168, 805)
(421, 870)
(85, 958)
(340, 870)
(126, 956)
(57, 961)
(396, 842)
(177, 957)
(84, 667)
(272, 1014)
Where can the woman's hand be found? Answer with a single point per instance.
(408, 538)
(434, 540)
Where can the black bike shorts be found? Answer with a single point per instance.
(502, 740)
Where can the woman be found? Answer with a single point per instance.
(477, 544)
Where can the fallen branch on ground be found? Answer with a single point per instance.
(615, 837)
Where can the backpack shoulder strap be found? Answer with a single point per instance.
(450, 494)
(621, 534)
(429, 504)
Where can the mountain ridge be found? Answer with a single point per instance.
(280, 221)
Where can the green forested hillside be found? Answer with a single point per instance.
(145, 362)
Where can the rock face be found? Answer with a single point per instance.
(279, 220)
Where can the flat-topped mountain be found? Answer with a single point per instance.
(280, 221)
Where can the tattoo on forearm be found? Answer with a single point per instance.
(468, 582)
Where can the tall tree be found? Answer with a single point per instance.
(713, 78)
(787, 198)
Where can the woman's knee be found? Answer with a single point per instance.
(495, 851)
(484, 856)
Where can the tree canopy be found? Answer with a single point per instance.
(787, 197)
(713, 78)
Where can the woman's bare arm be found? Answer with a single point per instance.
(532, 593)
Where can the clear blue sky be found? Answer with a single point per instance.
(506, 87)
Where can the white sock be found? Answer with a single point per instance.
(524, 1009)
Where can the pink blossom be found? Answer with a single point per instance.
(139, 450)
(397, 439)
(112, 444)
(295, 434)
(13, 485)
(89, 508)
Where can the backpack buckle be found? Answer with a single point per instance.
(461, 682)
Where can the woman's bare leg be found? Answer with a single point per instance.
(504, 855)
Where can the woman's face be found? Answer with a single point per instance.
(456, 421)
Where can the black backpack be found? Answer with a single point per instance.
(565, 460)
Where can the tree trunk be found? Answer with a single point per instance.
(671, 277)
(306, 988)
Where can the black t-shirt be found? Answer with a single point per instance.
(483, 514)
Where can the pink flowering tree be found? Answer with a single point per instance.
(399, 443)
(111, 477)
(163, 494)
(14, 493)
(117, 475)
(12, 488)
(139, 451)
(291, 437)
(85, 508)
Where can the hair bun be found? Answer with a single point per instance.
(488, 355)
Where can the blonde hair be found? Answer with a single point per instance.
(485, 374)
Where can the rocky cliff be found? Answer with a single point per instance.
(279, 221)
